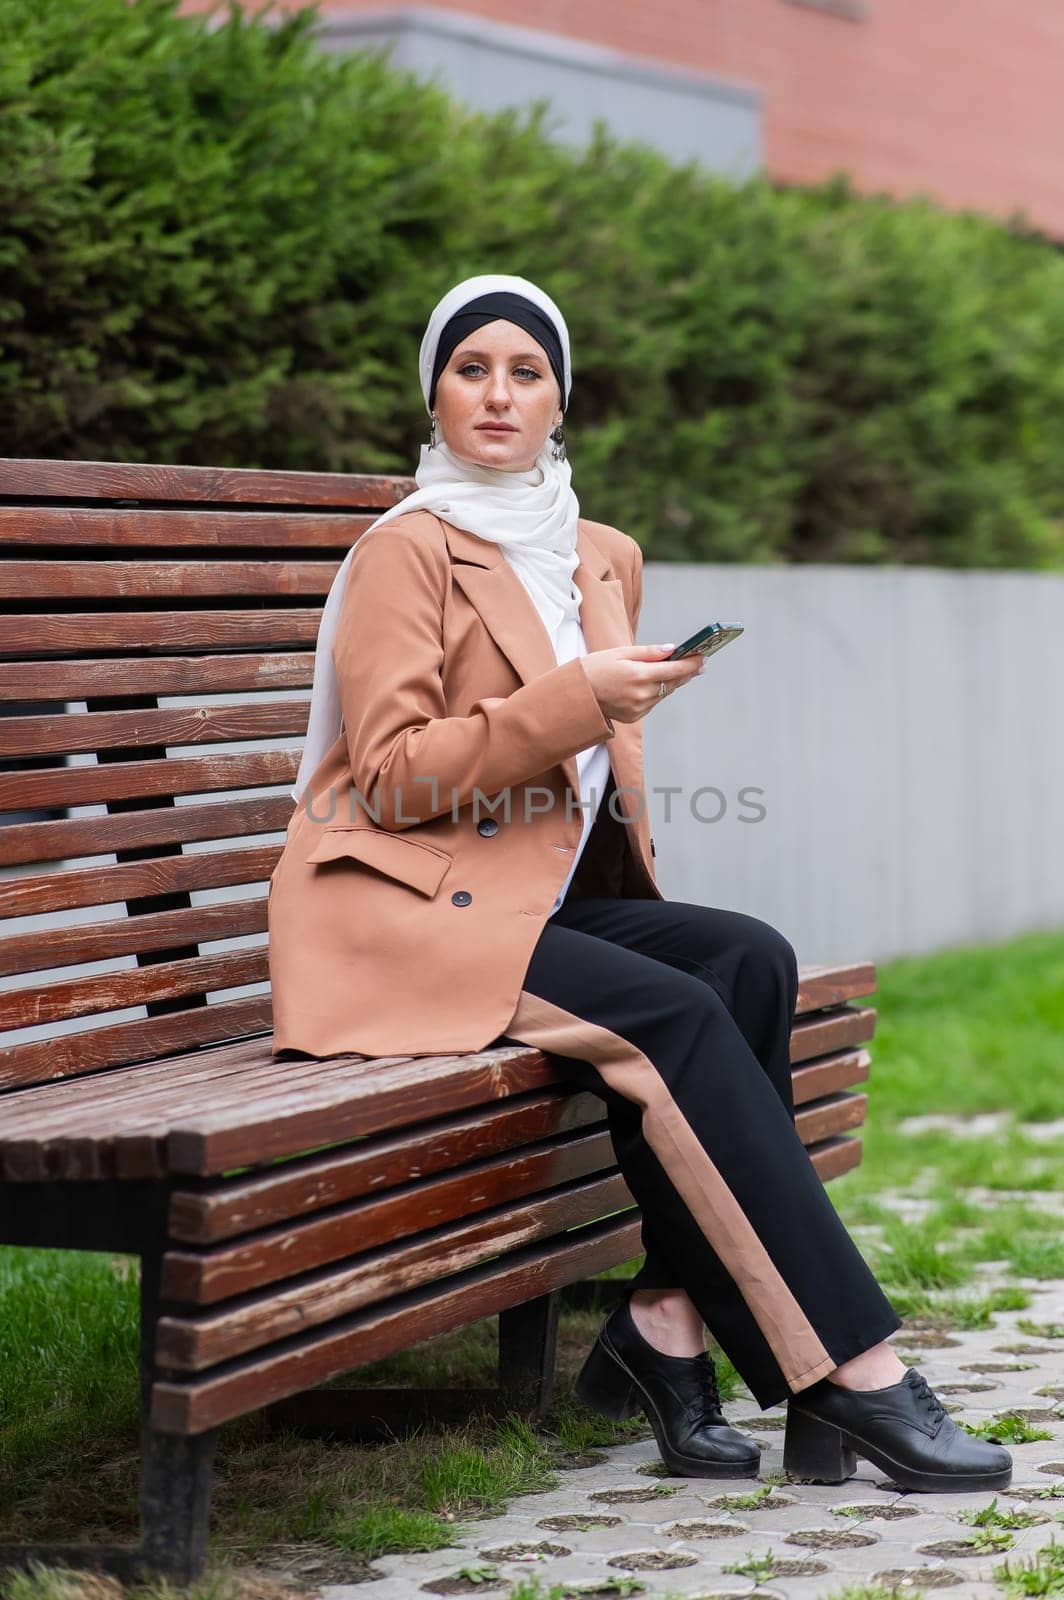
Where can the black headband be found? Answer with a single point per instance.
(489, 308)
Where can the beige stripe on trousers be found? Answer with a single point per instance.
(624, 1068)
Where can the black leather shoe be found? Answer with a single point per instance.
(903, 1429)
(624, 1374)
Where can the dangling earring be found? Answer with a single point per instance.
(558, 448)
(432, 433)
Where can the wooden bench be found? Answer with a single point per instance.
(156, 645)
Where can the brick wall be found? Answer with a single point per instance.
(960, 99)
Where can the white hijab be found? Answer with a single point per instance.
(531, 515)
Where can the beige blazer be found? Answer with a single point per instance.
(430, 844)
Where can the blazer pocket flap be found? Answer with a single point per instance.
(421, 866)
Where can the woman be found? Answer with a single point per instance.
(477, 656)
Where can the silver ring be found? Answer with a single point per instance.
(661, 691)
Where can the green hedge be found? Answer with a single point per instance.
(221, 244)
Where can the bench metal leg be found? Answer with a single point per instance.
(528, 1344)
(175, 1487)
(175, 1472)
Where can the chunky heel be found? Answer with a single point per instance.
(604, 1385)
(814, 1449)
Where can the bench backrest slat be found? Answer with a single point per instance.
(194, 632)
(39, 893)
(89, 481)
(81, 678)
(42, 525)
(116, 1045)
(164, 825)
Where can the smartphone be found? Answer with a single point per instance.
(714, 636)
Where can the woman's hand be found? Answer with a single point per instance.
(627, 679)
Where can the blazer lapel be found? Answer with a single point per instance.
(507, 611)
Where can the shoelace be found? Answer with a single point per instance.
(710, 1396)
(923, 1392)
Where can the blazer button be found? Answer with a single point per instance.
(461, 897)
(487, 826)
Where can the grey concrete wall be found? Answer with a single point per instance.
(904, 728)
(493, 65)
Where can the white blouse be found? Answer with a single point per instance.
(592, 764)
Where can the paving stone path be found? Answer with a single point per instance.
(620, 1518)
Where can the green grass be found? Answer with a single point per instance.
(533, 1589)
(1040, 1574)
(1038, 1258)
(748, 1502)
(990, 1517)
(65, 1583)
(872, 1591)
(925, 1309)
(68, 1359)
(918, 1255)
(976, 1029)
(760, 1568)
(959, 1032)
(957, 1028)
(1008, 1428)
(1041, 1330)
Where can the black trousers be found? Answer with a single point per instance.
(679, 1017)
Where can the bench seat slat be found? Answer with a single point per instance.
(205, 1277)
(208, 1276)
(840, 1071)
(350, 1102)
(831, 985)
(197, 1340)
(222, 1139)
(152, 1114)
(383, 1093)
(95, 1100)
(225, 1210)
(131, 1161)
(214, 1339)
(817, 1035)
(238, 1206)
(848, 1068)
(201, 1340)
(165, 1101)
(309, 1359)
(833, 1157)
(835, 1114)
